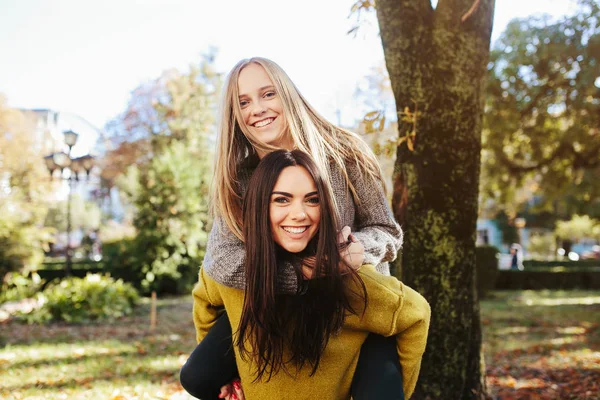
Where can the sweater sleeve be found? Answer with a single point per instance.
(411, 328)
(225, 254)
(375, 226)
(224, 260)
(396, 309)
(208, 305)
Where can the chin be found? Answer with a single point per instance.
(294, 248)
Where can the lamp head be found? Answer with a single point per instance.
(70, 138)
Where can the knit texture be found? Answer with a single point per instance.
(371, 221)
(393, 309)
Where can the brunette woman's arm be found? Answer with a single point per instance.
(411, 329)
(395, 309)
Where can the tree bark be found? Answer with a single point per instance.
(439, 62)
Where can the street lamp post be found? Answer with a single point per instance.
(63, 161)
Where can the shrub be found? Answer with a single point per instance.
(16, 286)
(22, 243)
(487, 269)
(127, 259)
(542, 246)
(77, 300)
(172, 219)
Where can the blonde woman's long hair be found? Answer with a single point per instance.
(310, 132)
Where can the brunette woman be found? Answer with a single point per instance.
(305, 346)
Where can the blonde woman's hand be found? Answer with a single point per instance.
(354, 253)
(232, 391)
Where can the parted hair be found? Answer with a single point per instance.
(278, 331)
(310, 132)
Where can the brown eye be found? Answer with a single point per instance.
(314, 200)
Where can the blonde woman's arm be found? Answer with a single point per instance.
(208, 305)
(225, 256)
(374, 225)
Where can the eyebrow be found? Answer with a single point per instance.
(290, 195)
(260, 89)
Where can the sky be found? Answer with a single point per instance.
(85, 57)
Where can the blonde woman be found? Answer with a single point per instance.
(262, 111)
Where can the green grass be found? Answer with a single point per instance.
(538, 345)
(99, 361)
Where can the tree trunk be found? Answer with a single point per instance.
(438, 62)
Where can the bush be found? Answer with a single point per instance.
(120, 261)
(77, 300)
(534, 264)
(542, 246)
(126, 259)
(565, 279)
(22, 244)
(486, 269)
(16, 286)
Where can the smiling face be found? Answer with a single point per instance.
(294, 209)
(262, 109)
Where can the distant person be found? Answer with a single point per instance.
(516, 259)
(514, 264)
(304, 346)
(262, 111)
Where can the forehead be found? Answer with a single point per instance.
(253, 77)
(295, 180)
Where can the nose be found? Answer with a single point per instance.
(299, 214)
(258, 108)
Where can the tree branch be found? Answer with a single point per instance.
(515, 167)
(581, 160)
(542, 92)
(471, 11)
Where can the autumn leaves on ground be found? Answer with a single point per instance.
(542, 345)
(538, 345)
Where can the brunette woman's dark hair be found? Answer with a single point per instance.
(279, 331)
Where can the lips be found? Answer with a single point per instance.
(263, 122)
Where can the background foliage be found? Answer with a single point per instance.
(542, 119)
(23, 186)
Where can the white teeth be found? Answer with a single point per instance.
(299, 229)
(264, 122)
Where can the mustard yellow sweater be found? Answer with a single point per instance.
(393, 309)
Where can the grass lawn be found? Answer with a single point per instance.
(119, 360)
(539, 345)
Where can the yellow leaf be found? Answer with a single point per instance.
(409, 143)
(382, 123)
(372, 115)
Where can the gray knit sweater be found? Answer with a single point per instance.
(371, 222)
